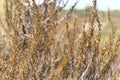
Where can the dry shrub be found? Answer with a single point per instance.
(41, 45)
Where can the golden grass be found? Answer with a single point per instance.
(48, 47)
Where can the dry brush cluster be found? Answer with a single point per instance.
(37, 47)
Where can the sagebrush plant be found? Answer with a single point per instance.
(43, 45)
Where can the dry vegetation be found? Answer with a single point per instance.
(40, 45)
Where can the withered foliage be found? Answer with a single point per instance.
(40, 44)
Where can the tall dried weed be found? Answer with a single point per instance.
(41, 45)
